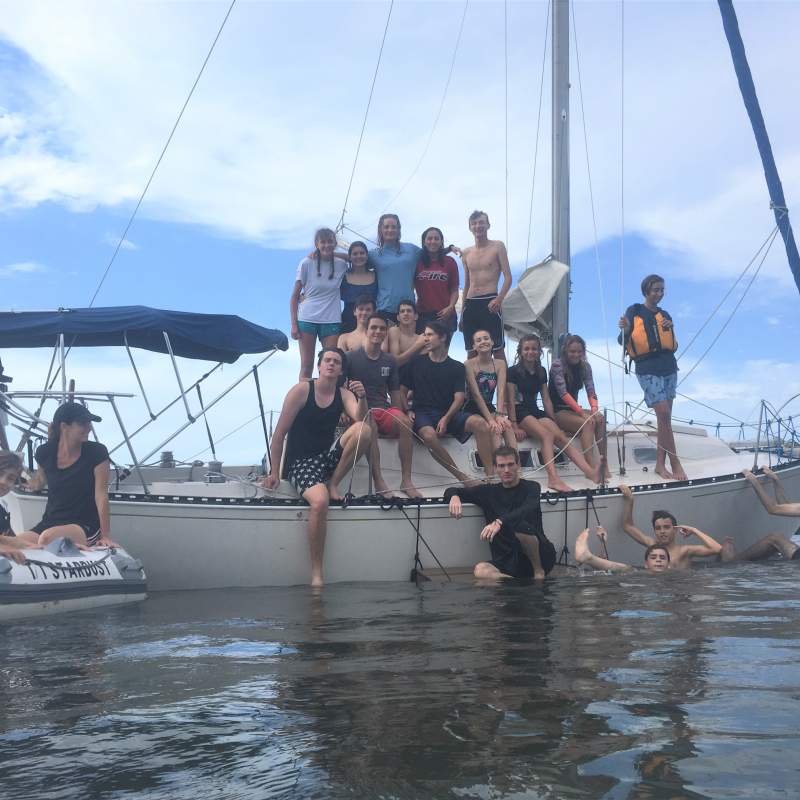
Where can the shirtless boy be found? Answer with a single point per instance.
(404, 341)
(484, 263)
(363, 307)
(656, 556)
(665, 527)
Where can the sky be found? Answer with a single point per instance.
(89, 93)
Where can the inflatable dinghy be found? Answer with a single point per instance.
(61, 577)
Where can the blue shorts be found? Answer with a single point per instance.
(658, 388)
(320, 329)
(424, 418)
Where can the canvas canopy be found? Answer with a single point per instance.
(212, 337)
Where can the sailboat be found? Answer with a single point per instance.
(199, 527)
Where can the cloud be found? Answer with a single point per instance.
(22, 268)
(112, 240)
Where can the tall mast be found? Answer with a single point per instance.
(560, 161)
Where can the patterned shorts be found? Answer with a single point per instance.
(307, 472)
(658, 388)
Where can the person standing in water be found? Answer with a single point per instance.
(319, 316)
(484, 263)
(568, 375)
(395, 263)
(359, 281)
(485, 375)
(315, 460)
(527, 379)
(649, 338)
(436, 282)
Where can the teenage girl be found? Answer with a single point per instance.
(527, 379)
(436, 282)
(359, 281)
(484, 376)
(319, 316)
(568, 375)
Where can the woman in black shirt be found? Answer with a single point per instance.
(76, 473)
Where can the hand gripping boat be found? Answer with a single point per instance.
(61, 577)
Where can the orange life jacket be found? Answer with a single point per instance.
(648, 335)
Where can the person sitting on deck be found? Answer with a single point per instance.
(315, 463)
(439, 387)
(10, 471)
(377, 372)
(649, 339)
(527, 379)
(781, 506)
(665, 527)
(404, 341)
(75, 472)
(364, 307)
(513, 516)
(568, 375)
(656, 556)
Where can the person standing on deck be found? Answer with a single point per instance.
(377, 371)
(395, 263)
(513, 516)
(358, 281)
(484, 263)
(649, 338)
(436, 282)
(315, 463)
(364, 309)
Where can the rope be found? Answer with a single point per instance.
(340, 224)
(536, 144)
(163, 152)
(622, 204)
(505, 107)
(439, 111)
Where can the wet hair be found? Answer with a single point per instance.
(10, 460)
(357, 244)
(661, 514)
(439, 329)
(528, 337)
(407, 302)
(576, 372)
(380, 226)
(333, 350)
(426, 256)
(647, 283)
(378, 315)
(364, 300)
(324, 233)
(505, 450)
(652, 547)
(475, 214)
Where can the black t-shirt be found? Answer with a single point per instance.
(70, 491)
(5, 519)
(529, 385)
(660, 363)
(517, 508)
(435, 383)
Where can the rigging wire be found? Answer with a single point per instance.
(439, 111)
(161, 156)
(340, 224)
(622, 204)
(538, 128)
(505, 107)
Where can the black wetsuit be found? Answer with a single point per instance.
(519, 510)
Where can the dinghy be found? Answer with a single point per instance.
(61, 577)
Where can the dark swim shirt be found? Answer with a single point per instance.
(70, 491)
(435, 383)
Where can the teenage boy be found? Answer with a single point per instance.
(404, 341)
(513, 516)
(315, 462)
(484, 263)
(377, 372)
(439, 386)
(364, 306)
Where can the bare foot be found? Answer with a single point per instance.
(769, 473)
(557, 485)
(316, 582)
(410, 491)
(383, 490)
(664, 473)
(679, 474)
(581, 547)
(748, 476)
(538, 574)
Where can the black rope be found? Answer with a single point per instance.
(416, 572)
(590, 502)
(563, 557)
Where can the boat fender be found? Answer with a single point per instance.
(130, 569)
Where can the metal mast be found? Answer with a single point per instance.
(560, 160)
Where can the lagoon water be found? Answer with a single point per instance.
(678, 686)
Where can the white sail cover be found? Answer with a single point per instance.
(527, 307)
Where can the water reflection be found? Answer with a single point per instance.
(684, 686)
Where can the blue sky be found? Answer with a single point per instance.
(89, 92)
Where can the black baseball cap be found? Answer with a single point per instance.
(74, 412)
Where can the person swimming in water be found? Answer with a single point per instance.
(656, 556)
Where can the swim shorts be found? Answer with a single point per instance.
(426, 317)
(527, 411)
(307, 472)
(320, 329)
(92, 534)
(514, 562)
(424, 418)
(385, 420)
(658, 388)
(475, 316)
